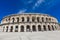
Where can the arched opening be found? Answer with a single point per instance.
(33, 28)
(28, 19)
(9, 19)
(17, 19)
(44, 27)
(11, 30)
(52, 27)
(49, 28)
(42, 19)
(46, 19)
(49, 19)
(7, 29)
(22, 19)
(27, 28)
(33, 19)
(22, 28)
(38, 19)
(16, 29)
(13, 20)
(39, 27)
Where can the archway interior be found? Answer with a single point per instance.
(16, 29)
(22, 28)
(44, 27)
(39, 28)
(49, 28)
(7, 29)
(33, 28)
(52, 27)
(11, 30)
(28, 28)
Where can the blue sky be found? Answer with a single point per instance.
(51, 7)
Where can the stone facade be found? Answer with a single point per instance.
(29, 23)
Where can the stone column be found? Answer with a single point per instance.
(31, 19)
(11, 20)
(19, 28)
(5, 29)
(31, 28)
(40, 19)
(42, 27)
(58, 27)
(36, 19)
(45, 19)
(50, 27)
(13, 28)
(54, 27)
(36, 28)
(25, 19)
(19, 19)
(46, 27)
(2, 29)
(24, 28)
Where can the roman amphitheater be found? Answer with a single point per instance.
(29, 23)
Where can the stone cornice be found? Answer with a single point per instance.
(27, 22)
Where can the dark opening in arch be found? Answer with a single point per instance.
(33, 19)
(42, 19)
(22, 19)
(7, 29)
(27, 28)
(46, 19)
(38, 19)
(39, 27)
(33, 28)
(17, 19)
(44, 27)
(52, 27)
(13, 19)
(49, 28)
(22, 28)
(11, 30)
(16, 29)
(28, 19)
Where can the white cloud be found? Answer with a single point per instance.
(22, 11)
(29, 2)
(38, 3)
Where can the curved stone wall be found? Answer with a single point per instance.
(29, 23)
